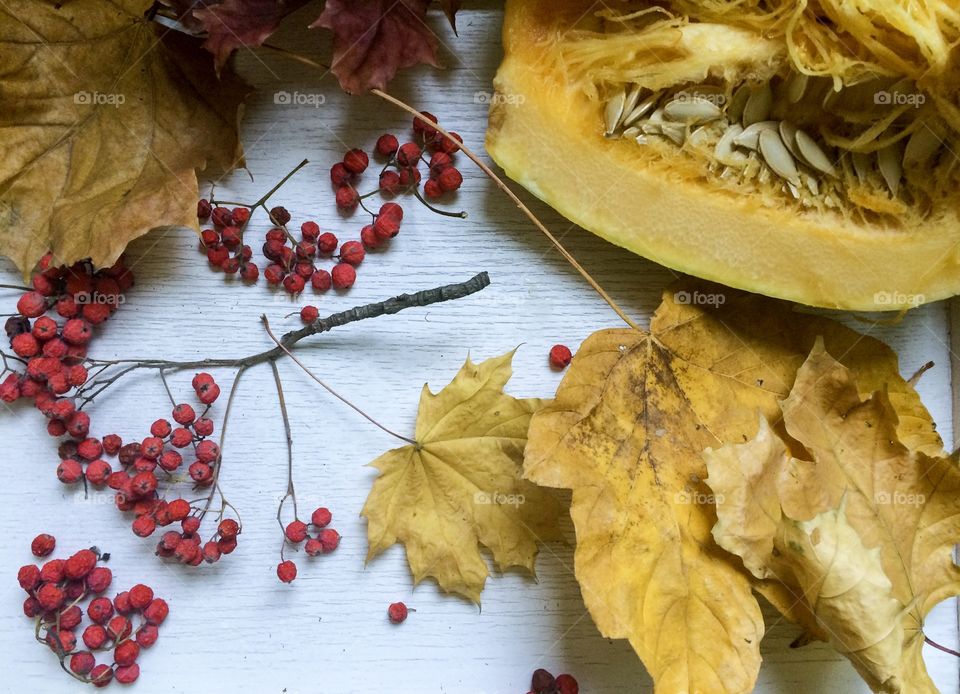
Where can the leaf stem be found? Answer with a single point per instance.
(936, 645)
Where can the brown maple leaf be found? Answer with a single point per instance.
(372, 39)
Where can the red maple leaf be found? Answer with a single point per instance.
(372, 39)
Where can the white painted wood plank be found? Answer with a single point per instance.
(233, 627)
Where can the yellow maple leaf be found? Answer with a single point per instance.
(626, 433)
(460, 486)
(104, 118)
(862, 533)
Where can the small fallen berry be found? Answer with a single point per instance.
(543, 682)
(43, 545)
(566, 684)
(560, 356)
(397, 612)
(286, 571)
(308, 314)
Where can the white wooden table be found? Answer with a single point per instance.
(233, 626)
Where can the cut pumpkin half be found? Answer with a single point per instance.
(806, 151)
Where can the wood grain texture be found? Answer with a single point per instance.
(233, 627)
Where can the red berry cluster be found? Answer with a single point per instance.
(55, 592)
(137, 484)
(325, 541)
(545, 683)
(401, 172)
(53, 351)
(292, 262)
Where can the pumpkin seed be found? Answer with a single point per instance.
(863, 166)
(921, 146)
(778, 157)
(737, 102)
(641, 109)
(758, 105)
(724, 152)
(750, 137)
(675, 131)
(889, 162)
(691, 110)
(788, 133)
(613, 112)
(797, 87)
(631, 132)
(629, 102)
(813, 155)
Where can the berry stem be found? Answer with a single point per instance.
(215, 485)
(291, 492)
(516, 201)
(279, 185)
(16, 287)
(460, 215)
(280, 345)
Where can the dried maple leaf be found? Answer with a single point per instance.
(626, 433)
(231, 24)
(372, 39)
(863, 533)
(104, 118)
(460, 486)
(450, 8)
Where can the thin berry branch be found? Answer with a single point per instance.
(266, 325)
(291, 492)
(16, 287)
(462, 214)
(399, 303)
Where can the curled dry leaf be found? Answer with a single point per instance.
(372, 39)
(862, 532)
(460, 486)
(103, 121)
(626, 433)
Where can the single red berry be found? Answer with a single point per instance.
(62, 641)
(71, 617)
(32, 304)
(327, 243)
(181, 437)
(279, 215)
(321, 517)
(126, 653)
(101, 675)
(143, 526)
(390, 182)
(222, 216)
(296, 531)
(387, 144)
(310, 231)
(249, 272)
(82, 662)
(440, 161)
(231, 266)
(560, 356)
(421, 128)
(566, 684)
(209, 238)
(127, 674)
(53, 571)
(408, 154)
(397, 612)
(228, 528)
(542, 682)
(156, 611)
(112, 444)
(31, 607)
(329, 539)
(119, 628)
(89, 449)
(203, 426)
(448, 147)
(140, 596)
(286, 571)
(294, 283)
(356, 161)
(369, 237)
(308, 314)
(410, 177)
(78, 425)
(161, 428)
(43, 545)
(240, 215)
(95, 636)
(343, 275)
(208, 393)
(50, 597)
(208, 451)
(25, 345)
(147, 635)
(352, 252)
(211, 552)
(347, 198)
(230, 237)
(80, 564)
(432, 189)
(321, 280)
(203, 209)
(29, 577)
(190, 524)
(183, 414)
(201, 473)
(340, 175)
(97, 472)
(200, 379)
(386, 227)
(392, 210)
(100, 610)
(69, 471)
(313, 547)
(216, 256)
(450, 179)
(227, 544)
